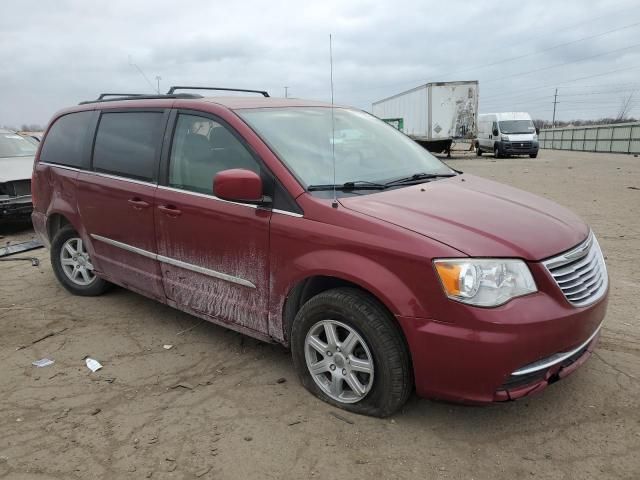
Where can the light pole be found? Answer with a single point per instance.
(286, 92)
(158, 78)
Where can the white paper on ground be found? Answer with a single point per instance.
(43, 362)
(93, 365)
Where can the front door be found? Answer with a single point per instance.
(213, 253)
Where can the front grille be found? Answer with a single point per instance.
(580, 273)
(22, 187)
(521, 145)
(17, 188)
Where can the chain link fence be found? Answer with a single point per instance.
(619, 138)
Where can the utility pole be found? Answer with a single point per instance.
(555, 101)
(286, 92)
(158, 78)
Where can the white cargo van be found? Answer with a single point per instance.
(507, 133)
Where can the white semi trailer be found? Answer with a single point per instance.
(433, 114)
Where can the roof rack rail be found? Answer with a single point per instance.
(138, 96)
(261, 92)
(102, 95)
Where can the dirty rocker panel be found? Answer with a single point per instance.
(174, 262)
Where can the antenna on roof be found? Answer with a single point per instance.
(334, 204)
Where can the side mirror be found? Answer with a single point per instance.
(495, 132)
(238, 185)
(537, 131)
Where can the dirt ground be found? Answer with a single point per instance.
(220, 405)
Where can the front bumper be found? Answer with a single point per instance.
(518, 148)
(474, 359)
(15, 207)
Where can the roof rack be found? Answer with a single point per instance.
(261, 92)
(137, 96)
(102, 95)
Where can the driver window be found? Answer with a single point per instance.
(201, 148)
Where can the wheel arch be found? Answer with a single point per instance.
(305, 289)
(55, 222)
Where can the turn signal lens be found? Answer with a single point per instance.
(449, 276)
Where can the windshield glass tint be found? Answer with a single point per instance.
(12, 145)
(366, 148)
(517, 126)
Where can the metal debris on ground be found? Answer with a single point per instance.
(20, 247)
(34, 261)
(43, 362)
(92, 364)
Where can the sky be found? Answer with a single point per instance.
(56, 54)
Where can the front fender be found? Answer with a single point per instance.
(365, 272)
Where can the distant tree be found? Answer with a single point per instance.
(624, 107)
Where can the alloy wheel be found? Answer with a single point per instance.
(339, 361)
(76, 263)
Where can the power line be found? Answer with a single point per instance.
(610, 72)
(554, 47)
(562, 64)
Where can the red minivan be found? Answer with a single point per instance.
(326, 230)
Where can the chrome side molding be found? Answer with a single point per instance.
(176, 263)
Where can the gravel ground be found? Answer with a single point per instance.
(220, 405)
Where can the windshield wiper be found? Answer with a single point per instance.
(417, 177)
(354, 185)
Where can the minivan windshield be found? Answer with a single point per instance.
(366, 148)
(13, 145)
(517, 126)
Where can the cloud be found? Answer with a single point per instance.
(59, 53)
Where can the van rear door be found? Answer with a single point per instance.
(116, 198)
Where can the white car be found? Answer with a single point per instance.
(16, 165)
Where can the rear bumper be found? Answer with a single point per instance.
(518, 148)
(39, 221)
(477, 364)
(16, 207)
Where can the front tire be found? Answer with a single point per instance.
(478, 151)
(533, 155)
(349, 352)
(496, 151)
(72, 265)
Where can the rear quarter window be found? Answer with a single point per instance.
(127, 144)
(65, 142)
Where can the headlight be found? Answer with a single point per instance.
(505, 138)
(484, 282)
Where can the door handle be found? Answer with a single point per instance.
(170, 210)
(137, 203)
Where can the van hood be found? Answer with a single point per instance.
(478, 217)
(15, 168)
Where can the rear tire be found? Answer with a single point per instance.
(376, 356)
(478, 151)
(72, 265)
